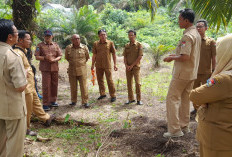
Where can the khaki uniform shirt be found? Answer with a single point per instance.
(208, 50)
(77, 58)
(52, 50)
(12, 75)
(215, 123)
(30, 75)
(132, 52)
(190, 45)
(103, 53)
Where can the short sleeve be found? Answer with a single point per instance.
(213, 47)
(17, 72)
(38, 50)
(67, 49)
(86, 52)
(124, 51)
(59, 52)
(186, 45)
(215, 89)
(94, 48)
(112, 48)
(140, 48)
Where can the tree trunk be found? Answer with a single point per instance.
(23, 13)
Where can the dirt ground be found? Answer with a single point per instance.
(136, 132)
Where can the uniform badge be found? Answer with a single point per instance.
(37, 49)
(211, 82)
(183, 43)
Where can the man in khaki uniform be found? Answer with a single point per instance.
(13, 81)
(49, 53)
(77, 55)
(207, 57)
(32, 100)
(132, 55)
(102, 51)
(186, 61)
(214, 129)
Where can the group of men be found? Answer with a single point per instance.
(77, 54)
(194, 60)
(194, 63)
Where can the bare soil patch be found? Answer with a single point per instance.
(123, 130)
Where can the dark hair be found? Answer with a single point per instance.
(188, 14)
(22, 34)
(6, 28)
(132, 32)
(204, 21)
(101, 30)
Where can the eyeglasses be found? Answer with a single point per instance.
(200, 26)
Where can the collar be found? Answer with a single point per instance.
(48, 44)
(133, 43)
(25, 50)
(188, 29)
(204, 38)
(103, 43)
(5, 44)
(81, 45)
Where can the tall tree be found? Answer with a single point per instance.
(24, 11)
(217, 12)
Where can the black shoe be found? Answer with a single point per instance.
(193, 112)
(86, 105)
(49, 121)
(129, 102)
(101, 97)
(72, 104)
(31, 133)
(139, 103)
(54, 104)
(113, 99)
(46, 108)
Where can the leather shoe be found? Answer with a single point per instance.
(193, 112)
(72, 104)
(101, 97)
(54, 104)
(31, 133)
(113, 99)
(86, 105)
(46, 108)
(49, 121)
(129, 102)
(139, 103)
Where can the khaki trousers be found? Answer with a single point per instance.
(201, 79)
(206, 152)
(100, 74)
(135, 72)
(49, 86)
(178, 104)
(83, 87)
(34, 106)
(12, 135)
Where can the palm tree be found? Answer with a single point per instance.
(217, 12)
(23, 13)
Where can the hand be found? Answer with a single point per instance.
(130, 67)
(167, 59)
(115, 68)
(92, 67)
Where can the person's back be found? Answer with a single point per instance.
(12, 98)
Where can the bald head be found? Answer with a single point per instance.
(76, 40)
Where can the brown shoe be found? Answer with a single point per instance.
(49, 121)
(31, 133)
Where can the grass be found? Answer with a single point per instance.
(156, 84)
